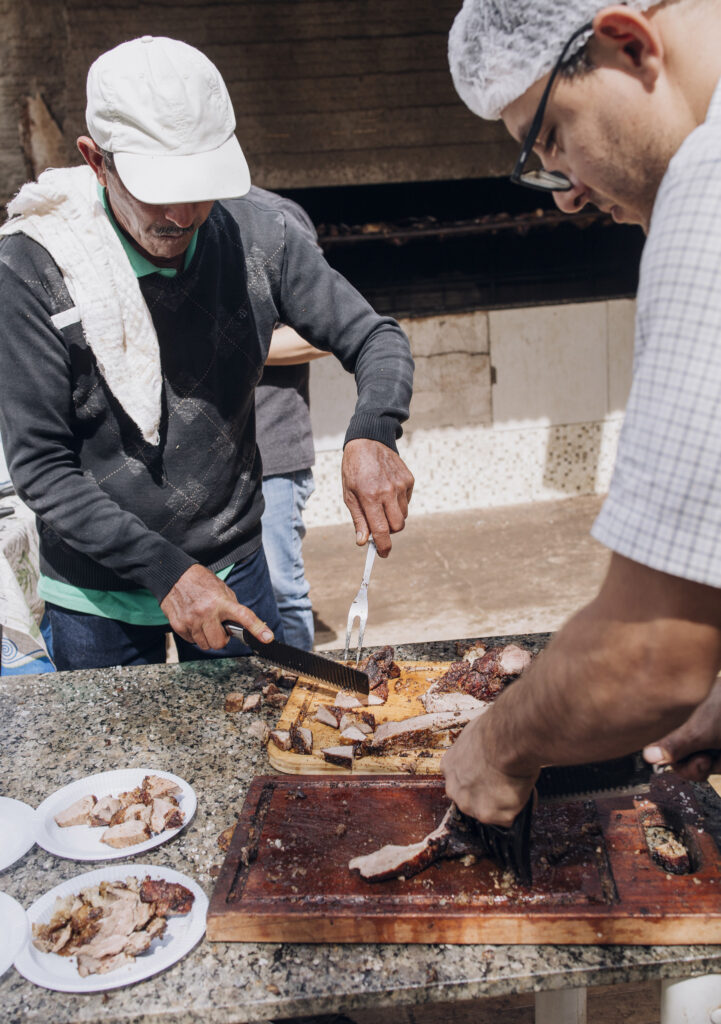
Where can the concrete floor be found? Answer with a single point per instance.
(521, 569)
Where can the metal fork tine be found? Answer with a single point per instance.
(359, 606)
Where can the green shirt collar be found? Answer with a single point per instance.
(142, 266)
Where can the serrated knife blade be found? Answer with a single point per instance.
(620, 776)
(304, 663)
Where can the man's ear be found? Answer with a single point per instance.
(93, 157)
(629, 41)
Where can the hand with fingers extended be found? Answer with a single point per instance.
(197, 605)
(377, 487)
(476, 780)
(694, 749)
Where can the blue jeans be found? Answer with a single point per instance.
(81, 640)
(283, 532)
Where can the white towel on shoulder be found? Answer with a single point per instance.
(62, 211)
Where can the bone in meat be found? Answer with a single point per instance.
(451, 838)
(77, 813)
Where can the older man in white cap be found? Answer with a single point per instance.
(139, 297)
(623, 106)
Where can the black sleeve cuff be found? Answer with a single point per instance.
(367, 425)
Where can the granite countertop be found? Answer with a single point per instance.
(61, 727)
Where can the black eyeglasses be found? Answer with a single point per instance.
(546, 181)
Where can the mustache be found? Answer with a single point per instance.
(162, 231)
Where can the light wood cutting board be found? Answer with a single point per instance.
(403, 702)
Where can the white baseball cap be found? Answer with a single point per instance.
(163, 110)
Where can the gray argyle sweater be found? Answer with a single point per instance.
(116, 513)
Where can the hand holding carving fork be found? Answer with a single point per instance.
(359, 605)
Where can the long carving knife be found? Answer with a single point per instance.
(511, 847)
(304, 663)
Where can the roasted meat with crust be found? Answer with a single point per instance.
(170, 898)
(452, 838)
(485, 677)
(380, 667)
(107, 925)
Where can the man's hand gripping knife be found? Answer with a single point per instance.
(197, 605)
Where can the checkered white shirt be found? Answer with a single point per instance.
(664, 504)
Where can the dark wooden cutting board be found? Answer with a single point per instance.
(286, 875)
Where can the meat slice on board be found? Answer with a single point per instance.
(457, 835)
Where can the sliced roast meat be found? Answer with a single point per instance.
(514, 660)
(104, 810)
(346, 700)
(301, 739)
(421, 731)
(281, 738)
(156, 785)
(165, 813)
(129, 833)
(170, 898)
(452, 838)
(380, 667)
(327, 716)
(341, 756)
(77, 813)
(352, 734)
(364, 720)
(438, 701)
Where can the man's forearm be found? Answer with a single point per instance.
(576, 703)
(610, 681)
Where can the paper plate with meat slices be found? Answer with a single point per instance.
(114, 814)
(112, 927)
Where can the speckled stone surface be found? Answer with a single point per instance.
(57, 728)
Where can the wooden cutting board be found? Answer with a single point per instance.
(286, 875)
(403, 702)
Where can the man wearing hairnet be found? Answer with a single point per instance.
(622, 104)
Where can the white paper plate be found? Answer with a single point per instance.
(15, 930)
(18, 830)
(82, 842)
(60, 973)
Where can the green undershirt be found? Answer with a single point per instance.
(138, 607)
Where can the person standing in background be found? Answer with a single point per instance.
(285, 440)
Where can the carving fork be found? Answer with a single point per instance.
(359, 605)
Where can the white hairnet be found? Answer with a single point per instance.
(497, 49)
